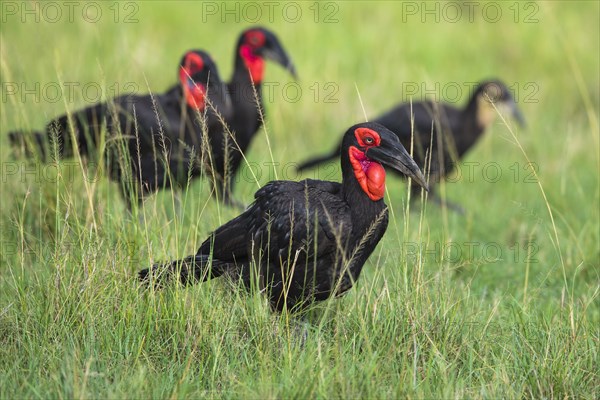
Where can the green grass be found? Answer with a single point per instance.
(516, 316)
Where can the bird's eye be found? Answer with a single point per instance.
(369, 140)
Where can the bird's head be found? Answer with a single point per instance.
(199, 77)
(369, 145)
(495, 93)
(257, 44)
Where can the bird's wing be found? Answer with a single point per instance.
(403, 117)
(398, 120)
(304, 218)
(154, 118)
(286, 218)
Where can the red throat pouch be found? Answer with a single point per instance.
(369, 174)
(194, 92)
(254, 63)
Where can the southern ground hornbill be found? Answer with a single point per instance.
(151, 137)
(460, 128)
(255, 45)
(304, 241)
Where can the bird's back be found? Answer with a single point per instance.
(428, 117)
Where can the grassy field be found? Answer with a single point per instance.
(500, 302)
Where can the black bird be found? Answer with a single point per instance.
(255, 45)
(183, 112)
(308, 240)
(459, 128)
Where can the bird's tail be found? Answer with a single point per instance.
(313, 162)
(29, 143)
(56, 141)
(190, 270)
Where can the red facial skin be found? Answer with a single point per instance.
(369, 174)
(194, 92)
(253, 40)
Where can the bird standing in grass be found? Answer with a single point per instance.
(255, 45)
(455, 131)
(304, 241)
(149, 138)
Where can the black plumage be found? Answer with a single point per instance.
(153, 141)
(459, 129)
(309, 240)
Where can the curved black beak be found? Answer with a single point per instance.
(274, 51)
(393, 154)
